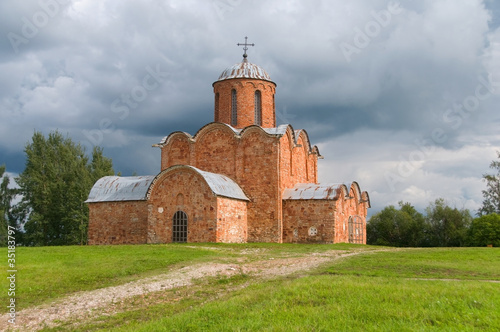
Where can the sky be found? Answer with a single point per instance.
(400, 96)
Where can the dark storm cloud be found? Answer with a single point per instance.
(366, 76)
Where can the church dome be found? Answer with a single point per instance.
(244, 69)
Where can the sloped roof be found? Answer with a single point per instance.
(280, 130)
(117, 188)
(220, 184)
(313, 191)
(137, 188)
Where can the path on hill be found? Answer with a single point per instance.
(90, 304)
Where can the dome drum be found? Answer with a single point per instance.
(244, 96)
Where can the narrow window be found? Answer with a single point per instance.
(258, 108)
(216, 113)
(234, 109)
(179, 227)
(274, 113)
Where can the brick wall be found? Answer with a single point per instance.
(251, 161)
(118, 222)
(182, 190)
(177, 152)
(231, 220)
(245, 89)
(297, 163)
(341, 221)
(258, 176)
(286, 146)
(313, 168)
(300, 215)
(347, 208)
(215, 150)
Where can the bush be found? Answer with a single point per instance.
(402, 228)
(485, 230)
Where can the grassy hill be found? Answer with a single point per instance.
(352, 288)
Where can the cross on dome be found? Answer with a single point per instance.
(245, 48)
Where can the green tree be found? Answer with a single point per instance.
(100, 166)
(416, 231)
(54, 185)
(402, 228)
(7, 217)
(484, 230)
(447, 226)
(491, 202)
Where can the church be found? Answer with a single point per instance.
(241, 178)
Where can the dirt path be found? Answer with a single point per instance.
(90, 303)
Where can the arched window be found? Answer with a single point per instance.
(179, 227)
(216, 110)
(258, 108)
(234, 109)
(356, 226)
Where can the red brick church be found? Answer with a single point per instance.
(241, 178)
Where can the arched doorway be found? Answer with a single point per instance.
(356, 227)
(179, 227)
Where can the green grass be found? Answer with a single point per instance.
(379, 291)
(342, 303)
(46, 273)
(375, 290)
(454, 263)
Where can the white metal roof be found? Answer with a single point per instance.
(221, 185)
(116, 188)
(135, 188)
(313, 191)
(280, 130)
(244, 69)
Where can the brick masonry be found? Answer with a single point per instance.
(231, 220)
(182, 190)
(245, 95)
(303, 215)
(118, 222)
(262, 164)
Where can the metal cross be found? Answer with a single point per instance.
(245, 48)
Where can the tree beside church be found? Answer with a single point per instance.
(53, 186)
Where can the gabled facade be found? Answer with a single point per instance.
(238, 179)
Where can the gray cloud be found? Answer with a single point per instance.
(366, 79)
